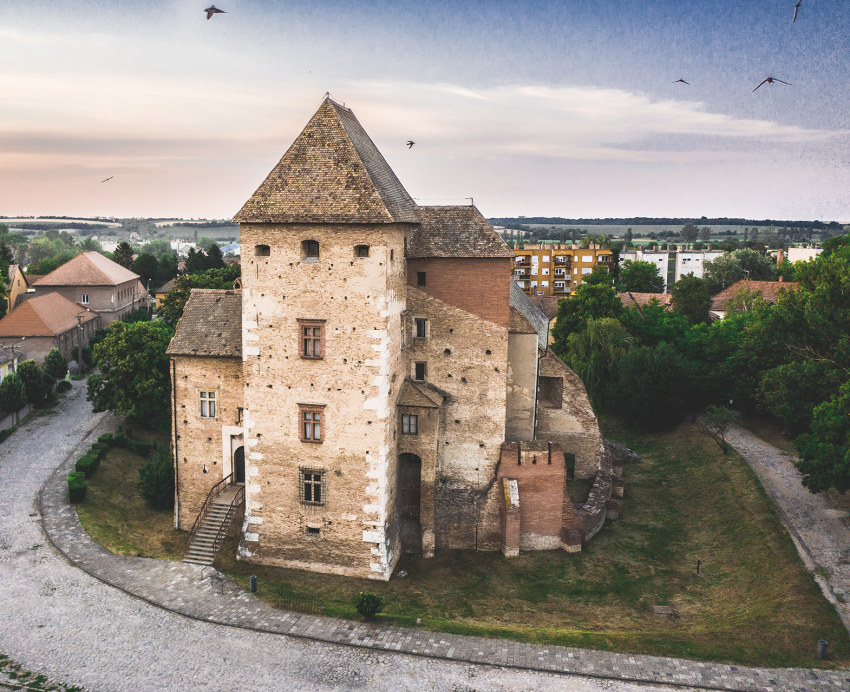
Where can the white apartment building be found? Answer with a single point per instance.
(803, 254)
(673, 264)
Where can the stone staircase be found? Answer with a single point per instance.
(202, 548)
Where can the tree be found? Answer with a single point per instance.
(599, 276)
(215, 258)
(38, 384)
(172, 306)
(690, 299)
(653, 324)
(790, 392)
(640, 277)
(594, 352)
(705, 234)
(689, 232)
(13, 394)
(589, 302)
(156, 481)
(651, 386)
(147, 267)
(730, 267)
(629, 236)
(55, 365)
(716, 423)
(745, 300)
(124, 255)
(133, 375)
(825, 451)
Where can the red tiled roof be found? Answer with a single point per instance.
(88, 269)
(769, 291)
(45, 315)
(631, 299)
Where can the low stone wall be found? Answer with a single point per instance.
(603, 501)
(9, 420)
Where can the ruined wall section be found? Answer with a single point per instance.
(360, 300)
(467, 359)
(522, 386)
(571, 421)
(199, 457)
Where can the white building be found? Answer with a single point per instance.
(108, 245)
(181, 247)
(673, 264)
(803, 254)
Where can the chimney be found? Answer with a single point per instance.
(779, 257)
(781, 279)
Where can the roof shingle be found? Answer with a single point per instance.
(211, 325)
(455, 231)
(45, 315)
(87, 269)
(332, 173)
(769, 291)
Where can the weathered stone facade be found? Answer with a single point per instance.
(383, 360)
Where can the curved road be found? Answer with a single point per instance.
(58, 621)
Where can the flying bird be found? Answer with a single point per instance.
(109, 178)
(211, 10)
(796, 9)
(770, 80)
(410, 143)
(682, 81)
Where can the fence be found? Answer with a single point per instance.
(287, 600)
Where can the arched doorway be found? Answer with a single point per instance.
(410, 495)
(239, 465)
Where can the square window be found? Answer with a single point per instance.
(420, 278)
(312, 486)
(311, 337)
(421, 328)
(310, 422)
(419, 372)
(409, 424)
(207, 404)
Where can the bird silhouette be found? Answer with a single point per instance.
(211, 10)
(682, 81)
(770, 80)
(109, 178)
(796, 9)
(410, 143)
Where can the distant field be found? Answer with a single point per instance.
(640, 231)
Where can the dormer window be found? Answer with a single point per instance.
(361, 250)
(310, 248)
(262, 251)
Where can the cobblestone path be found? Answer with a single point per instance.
(58, 620)
(819, 531)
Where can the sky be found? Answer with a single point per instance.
(530, 108)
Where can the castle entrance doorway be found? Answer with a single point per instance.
(410, 495)
(239, 465)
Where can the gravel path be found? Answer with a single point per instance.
(57, 620)
(819, 531)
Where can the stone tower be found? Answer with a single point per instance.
(323, 277)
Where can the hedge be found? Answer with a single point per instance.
(87, 464)
(105, 439)
(142, 448)
(99, 450)
(77, 486)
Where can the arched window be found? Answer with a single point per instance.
(361, 250)
(262, 251)
(310, 248)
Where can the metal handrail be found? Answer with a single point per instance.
(237, 500)
(213, 493)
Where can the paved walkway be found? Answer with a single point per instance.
(819, 531)
(66, 622)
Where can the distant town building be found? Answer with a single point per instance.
(556, 269)
(108, 245)
(673, 264)
(769, 291)
(803, 254)
(160, 293)
(18, 284)
(181, 247)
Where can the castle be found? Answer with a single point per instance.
(378, 383)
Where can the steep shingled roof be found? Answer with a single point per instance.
(455, 231)
(413, 394)
(87, 269)
(211, 325)
(166, 287)
(768, 290)
(332, 173)
(45, 315)
(533, 314)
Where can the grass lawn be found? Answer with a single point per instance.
(754, 604)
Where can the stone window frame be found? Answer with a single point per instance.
(312, 324)
(414, 368)
(201, 400)
(410, 421)
(361, 251)
(262, 250)
(303, 472)
(425, 323)
(307, 250)
(312, 409)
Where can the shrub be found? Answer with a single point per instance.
(106, 439)
(368, 604)
(156, 481)
(87, 464)
(77, 486)
(13, 394)
(55, 365)
(38, 384)
(98, 450)
(63, 386)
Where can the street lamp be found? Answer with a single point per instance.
(80, 342)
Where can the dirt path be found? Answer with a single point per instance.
(820, 532)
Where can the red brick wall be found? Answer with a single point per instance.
(478, 286)
(541, 487)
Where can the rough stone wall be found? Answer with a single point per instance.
(199, 442)
(361, 299)
(480, 286)
(573, 425)
(467, 360)
(522, 385)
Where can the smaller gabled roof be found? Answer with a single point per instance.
(165, 288)
(211, 325)
(88, 269)
(413, 394)
(631, 299)
(8, 353)
(769, 291)
(518, 324)
(45, 315)
(455, 231)
(14, 269)
(32, 278)
(548, 305)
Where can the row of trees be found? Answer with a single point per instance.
(32, 384)
(790, 359)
